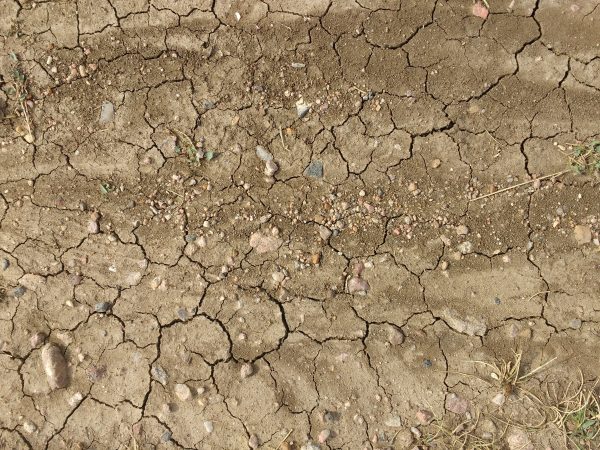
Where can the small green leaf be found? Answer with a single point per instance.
(177, 149)
(588, 423)
(105, 188)
(209, 155)
(578, 151)
(13, 56)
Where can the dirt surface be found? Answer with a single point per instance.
(333, 288)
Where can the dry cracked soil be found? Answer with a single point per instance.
(233, 224)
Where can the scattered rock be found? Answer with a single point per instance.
(37, 339)
(271, 168)
(582, 234)
(183, 392)
(465, 248)
(314, 169)
(436, 163)
(297, 65)
(55, 366)
(469, 325)
(575, 324)
(357, 285)
(107, 112)
(166, 436)
(253, 442)
(4, 264)
(102, 307)
(19, 291)
(93, 225)
(324, 435)
(29, 427)
(310, 446)
(456, 404)
(395, 335)
(264, 244)
(159, 374)
(302, 108)
(479, 10)
(404, 439)
(263, 153)
(499, 399)
(424, 417)
(518, 440)
(393, 422)
(75, 399)
(462, 230)
(246, 370)
(444, 265)
(278, 276)
(324, 232)
(208, 426)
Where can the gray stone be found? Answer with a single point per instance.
(107, 112)
(102, 307)
(4, 264)
(19, 291)
(315, 169)
(263, 153)
(159, 374)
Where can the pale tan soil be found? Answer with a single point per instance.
(190, 292)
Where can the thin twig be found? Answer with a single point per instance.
(552, 175)
(174, 193)
(284, 439)
(282, 141)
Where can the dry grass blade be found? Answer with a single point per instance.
(577, 415)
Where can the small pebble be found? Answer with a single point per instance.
(462, 230)
(582, 234)
(424, 417)
(159, 374)
(183, 392)
(93, 227)
(436, 163)
(37, 339)
(357, 285)
(314, 169)
(271, 168)
(4, 264)
(302, 108)
(246, 370)
(263, 153)
(75, 399)
(166, 436)
(253, 442)
(29, 427)
(465, 248)
(102, 307)
(107, 112)
(55, 366)
(456, 404)
(208, 426)
(324, 435)
(499, 399)
(19, 291)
